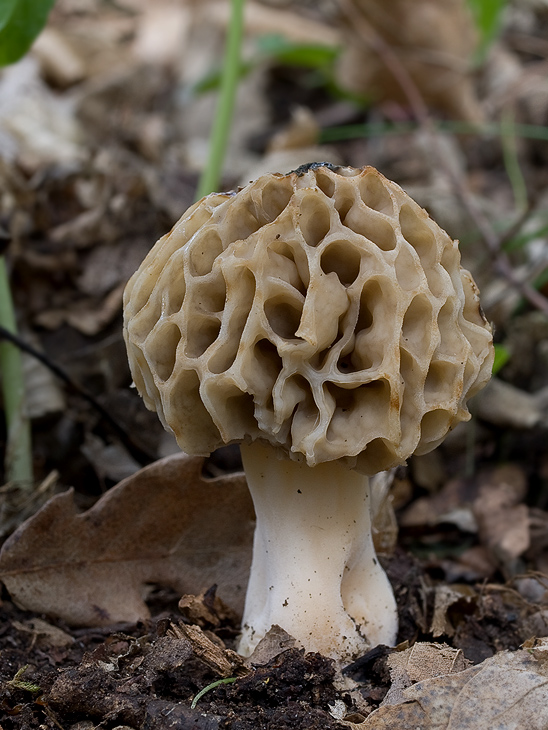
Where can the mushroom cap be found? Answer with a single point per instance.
(322, 311)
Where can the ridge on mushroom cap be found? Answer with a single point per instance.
(322, 311)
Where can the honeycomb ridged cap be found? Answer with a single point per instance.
(322, 311)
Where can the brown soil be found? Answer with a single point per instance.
(145, 676)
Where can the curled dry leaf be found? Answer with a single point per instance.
(43, 633)
(273, 643)
(508, 690)
(165, 525)
(423, 660)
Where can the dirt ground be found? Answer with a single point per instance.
(103, 133)
(145, 675)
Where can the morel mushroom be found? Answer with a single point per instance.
(322, 320)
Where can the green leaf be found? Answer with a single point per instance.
(488, 16)
(305, 55)
(212, 80)
(502, 356)
(316, 58)
(6, 11)
(20, 22)
(276, 48)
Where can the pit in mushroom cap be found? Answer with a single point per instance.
(321, 311)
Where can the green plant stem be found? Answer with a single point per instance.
(18, 457)
(511, 160)
(211, 175)
(218, 683)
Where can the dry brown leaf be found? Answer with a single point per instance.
(43, 633)
(506, 406)
(433, 40)
(110, 461)
(107, 266)
(474, 564)
(502, 519)
(429, 471)
(508, 691)
(83, 230)
(423, 660)
(383, 517)
(273, 643)
(451, 504)
(445, 597)
(17, 505)
(36, 127)
(162, 30)
(59, 60)
(165, 525)
(44, 394)
(302, 131)
(206, 610)
(90, 318)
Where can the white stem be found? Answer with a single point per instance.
(314, 570)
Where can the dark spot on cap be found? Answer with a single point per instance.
(314, 166)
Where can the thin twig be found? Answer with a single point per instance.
(419, 109)
(390, 60)
(142, 455)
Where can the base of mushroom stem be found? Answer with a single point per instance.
(314, 571)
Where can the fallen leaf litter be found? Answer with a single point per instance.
(65, 214)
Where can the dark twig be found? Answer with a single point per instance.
(391, 61)
(419, 109)
(140, 454)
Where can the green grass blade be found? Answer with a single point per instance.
(218, 683)
(488, 18)
(210, 179)
(18, 457)
(511, 161)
